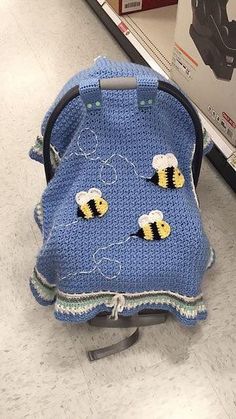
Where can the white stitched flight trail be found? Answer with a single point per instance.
(104, 163)
(98, 263)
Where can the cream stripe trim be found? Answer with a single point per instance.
(127, 294)
(43, 279)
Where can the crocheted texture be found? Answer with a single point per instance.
(207, 142)
(91, 204)
(73, 114)
(86, 267)
(153, 227)
(38, 215)
(36, 152)
(167, 173)
(86, 306)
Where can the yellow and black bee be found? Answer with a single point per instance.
(91, 204)
(153, 227)
(167, 173)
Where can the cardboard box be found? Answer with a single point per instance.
(129, 6)
(204, 59)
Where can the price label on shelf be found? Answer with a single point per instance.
(123, 28)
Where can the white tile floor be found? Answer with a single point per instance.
(172, 373)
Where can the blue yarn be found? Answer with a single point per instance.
(176, 264)
(39, 299)
(102, 308)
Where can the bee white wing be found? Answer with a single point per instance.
(159, 162)
(155, 215)
(143, 220)
(171, 160)
(82, 197)
(94, 193)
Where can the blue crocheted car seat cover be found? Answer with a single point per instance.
(92, 260)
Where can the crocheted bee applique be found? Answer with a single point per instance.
(91, 204)
(153, 227)
(167, 174)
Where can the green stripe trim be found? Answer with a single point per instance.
(85, 305)
(39, 278)
(44, 292)
(89, 297)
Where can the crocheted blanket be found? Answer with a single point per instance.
(122, 230)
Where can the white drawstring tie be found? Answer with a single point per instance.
(118, 303)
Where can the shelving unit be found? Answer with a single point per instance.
(146, 31)
(145, 38)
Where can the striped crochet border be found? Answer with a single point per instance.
(44, 289)
(81, 304)
(37, 150)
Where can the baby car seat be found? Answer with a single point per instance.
(214, 36)
(123, 241)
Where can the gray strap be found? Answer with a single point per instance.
(131, 321)
(124, 322)
(115, 348)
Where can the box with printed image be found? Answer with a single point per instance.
(129, 6)
(204, 59)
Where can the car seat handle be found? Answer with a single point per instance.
(126, 83)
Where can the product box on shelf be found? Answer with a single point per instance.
(204, 59)
(129, 6)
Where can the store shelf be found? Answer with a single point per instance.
(151, 25)
(145, 38)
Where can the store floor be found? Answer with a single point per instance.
(173, 372)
